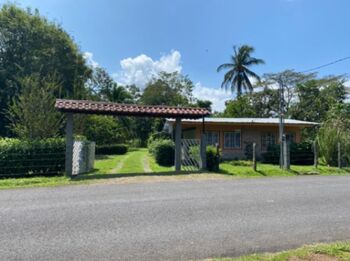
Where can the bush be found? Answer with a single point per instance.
(300, 154)
(156, 137)
(24, 158)
(164, 152)
(213, 158)
(113, 149)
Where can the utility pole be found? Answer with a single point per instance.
(281, 123)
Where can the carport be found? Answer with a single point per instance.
(71, 107)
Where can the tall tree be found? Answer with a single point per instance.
(287, 80)
(30, 44)
(32, 115)
(237, 76)
(168, 89)
(104, 88)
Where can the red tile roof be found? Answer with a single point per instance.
(109, 108)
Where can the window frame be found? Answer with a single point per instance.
(265, 148)
(240, 140)
(206, 139)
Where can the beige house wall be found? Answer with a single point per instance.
(249, 133)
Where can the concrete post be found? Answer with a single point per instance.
(339, 156)
(69, 145)
(254, 156)
(315, 155)
(286, 161)
(178, 145)
(203, 151)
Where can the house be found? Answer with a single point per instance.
(233, 134)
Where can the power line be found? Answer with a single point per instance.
(327, 64)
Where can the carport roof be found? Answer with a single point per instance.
(118, 109)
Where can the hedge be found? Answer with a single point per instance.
(164, 152)
(113, 149)
(213, 158)
(31, 158)
(212, 155)
(300, 154)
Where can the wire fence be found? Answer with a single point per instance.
(31, 164)
(305, 154)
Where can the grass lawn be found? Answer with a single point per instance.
(244, 169)
(339, 251)
(106, 166)
(138, 161)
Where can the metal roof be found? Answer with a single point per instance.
(253, 121)
(109, 108)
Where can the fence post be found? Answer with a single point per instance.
(339, 156)
(254, 156)
(315, 155)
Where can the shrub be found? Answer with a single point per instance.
(156, 137)
(164, 152)
(113, 149)
(23, 158)
(213, 158)
(300, 154)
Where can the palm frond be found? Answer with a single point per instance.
(224, 66)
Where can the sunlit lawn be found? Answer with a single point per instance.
(339, 251)
(136, 161)
(244, 169)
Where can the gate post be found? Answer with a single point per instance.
(69, 145)
(178, 144)
(203, 151)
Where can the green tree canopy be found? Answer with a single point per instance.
(168, 89)
(32, 114)
(30, 44)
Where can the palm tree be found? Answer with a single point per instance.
(237, 76)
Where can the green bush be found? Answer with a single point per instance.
(213, 158)
(113, 149)
(300, 154)
(156, 137)
(24, 158)
(164, 152)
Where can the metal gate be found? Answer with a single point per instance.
(191, 154)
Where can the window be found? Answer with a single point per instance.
(232, 140)
(290, 137)
(267, 139)
(212, 138)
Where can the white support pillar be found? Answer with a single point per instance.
(69, 144)
(178, 144)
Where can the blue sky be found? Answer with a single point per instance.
(134, 38)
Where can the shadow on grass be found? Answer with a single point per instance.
(124, 175)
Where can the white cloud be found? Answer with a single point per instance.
(139, 70)
(88, 56)
(217, 96)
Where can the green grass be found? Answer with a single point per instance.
(155, 167)
(244, 169)
(134, 162)
(34, 182)
(105, 163)
(339, 250)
